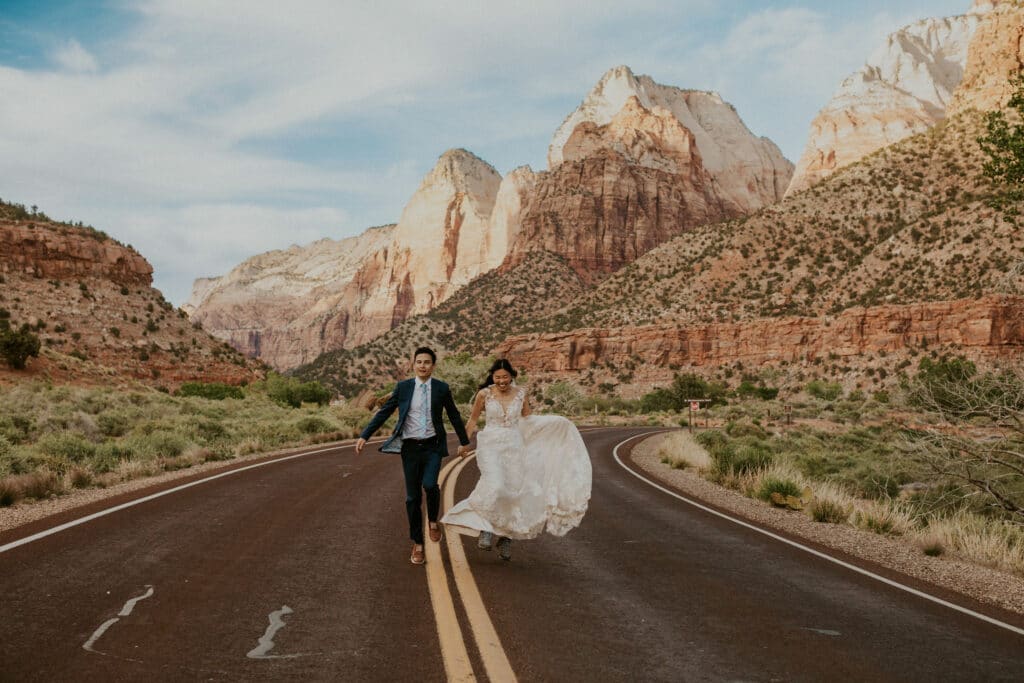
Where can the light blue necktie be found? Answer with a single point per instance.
(424, 407)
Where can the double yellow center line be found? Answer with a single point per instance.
(457, 664)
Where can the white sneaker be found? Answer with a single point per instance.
(484, 540)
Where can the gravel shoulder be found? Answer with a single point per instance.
(983, 584)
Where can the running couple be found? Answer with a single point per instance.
(535, 472)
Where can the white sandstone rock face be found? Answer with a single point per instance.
(513, 196)
(903, 89)
(440, 243)
(750, 171)
(994, 59)
(266, 306)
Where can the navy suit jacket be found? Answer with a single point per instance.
(440, 400)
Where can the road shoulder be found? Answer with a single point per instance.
(891, 554)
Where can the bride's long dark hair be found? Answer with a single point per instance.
(500, 364)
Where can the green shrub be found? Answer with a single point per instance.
(159, 444)
(783, 487)
(109, 456)
(827, 391)
(740, 429)
(210, 430)
(17, 346)
(828, 511)
(112, 424)
(711, 438)
(216, 391)
(66, 445)
(740, 457)
(313, 425)
(291, 392)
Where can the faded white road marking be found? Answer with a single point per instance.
(98, 633)
(266, 642)
(822, 631)
(812, 551)
(130, 605)
(125, 611)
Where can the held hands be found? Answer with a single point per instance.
(359, 445)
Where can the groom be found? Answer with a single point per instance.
(420, 437)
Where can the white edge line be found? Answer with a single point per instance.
(852, 567)
(102, 513)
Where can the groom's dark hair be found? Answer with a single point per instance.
(427, 350)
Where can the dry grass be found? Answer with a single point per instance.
(966, 535)
(679, 450)
(994, 544)
(54, 439)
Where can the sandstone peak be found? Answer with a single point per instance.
(903, 89)
(749, 170)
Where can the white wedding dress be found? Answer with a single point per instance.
(535, 475)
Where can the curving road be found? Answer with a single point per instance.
(298, 570)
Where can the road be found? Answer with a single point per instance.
(298, 569)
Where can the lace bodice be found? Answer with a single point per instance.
(498, 415)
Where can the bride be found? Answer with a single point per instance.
(535, 472)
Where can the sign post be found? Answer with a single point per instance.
(695, 408)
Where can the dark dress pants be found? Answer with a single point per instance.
(421, 463)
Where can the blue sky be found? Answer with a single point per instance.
(205, 132)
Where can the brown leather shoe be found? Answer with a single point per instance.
(417, 555)
(434, 529)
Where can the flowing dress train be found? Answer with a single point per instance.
(535, 475)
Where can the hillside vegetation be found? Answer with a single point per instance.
(912, 222)
(474, 320)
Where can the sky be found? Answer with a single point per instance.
(203, 132)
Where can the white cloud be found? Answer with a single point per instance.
(202, 122)
(73, 57)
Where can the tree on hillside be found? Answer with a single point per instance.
(981, 444)
(1003, 143)
(17, 346)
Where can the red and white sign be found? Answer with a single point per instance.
(694, 405)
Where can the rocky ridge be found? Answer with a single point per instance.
(91, 302)
(625, 185)
(987, 329)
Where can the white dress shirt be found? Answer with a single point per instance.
(418, 424)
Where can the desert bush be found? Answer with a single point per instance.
(112, 423)
(291, 392)
(784, 487)
(828, 511)
(739, 457)
(16, 347)
(745, 428)
(79, 477)
(563, 398)
(313, 425)
(826, 391)
(66, 445)
(158, 444)
(215, 391)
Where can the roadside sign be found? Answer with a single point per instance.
(694, 405)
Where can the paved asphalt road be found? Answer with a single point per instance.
(299, 570)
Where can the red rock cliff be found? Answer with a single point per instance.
(67, 253)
